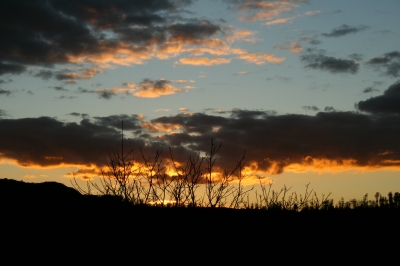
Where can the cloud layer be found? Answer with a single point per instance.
(327, 141)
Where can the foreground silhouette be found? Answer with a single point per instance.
(49, 221)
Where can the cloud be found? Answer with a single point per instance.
(262, 10)
(293, 47)
(59, 88)
(11, 68)
(257, 58)
(5, 92)
(74, 114)
(3, 113)
(331, 64)
(310, 40)
(344, 30)
(184, 81)
(242, 73)
(279, 21)
(388, 103)
(390, 62)
(2, 81)
(45, 141)
(146, 89)
(66, 97)
(310, 108)
(243, 35)
(357, 57)
(204, 61)
(126, 32)
(155, 88)
(324, 142)
(44, 74)
(86, 73)
(290, 19)
(370, 89)
(329, 109)
(327, 141)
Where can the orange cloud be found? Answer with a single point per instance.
(202, 61)
(184, 81)
(258, 59)
(125, 54)
(87, 73)
(279, 21)
(161, 128)
(290, 19)
(243, 35)
(265, 10)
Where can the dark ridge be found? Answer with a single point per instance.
(19, 192)
(65, 226)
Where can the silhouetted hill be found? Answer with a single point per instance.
(19, 192)
(78, 229)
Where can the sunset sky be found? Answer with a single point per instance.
(308, 88)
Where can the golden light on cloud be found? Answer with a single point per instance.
(265, 10)
(243, 35)
(279, 21)
(125, 54)
(86, 74)
(155, 89)
(161, 128)
(184, 81)
(202, 61)
(260, 59)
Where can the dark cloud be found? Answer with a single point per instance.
(310, 39)
(67, 97)
(329, 109)
(193, 30)
(344, 30)
(2, 81)
(51, 32)
(370, 89)
(275, 142)
(310, 108)
(104, 94)
(388, 103)
(11, 68)
(74, 114)
(46, 141)
(115, 121)
(272, 142)
(3, 113)
(5, 92)
(59, 88)
(390, 62)
(44, 74)
(331, 64)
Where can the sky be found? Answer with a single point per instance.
(308, 89)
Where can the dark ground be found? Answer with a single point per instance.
(63, 227)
